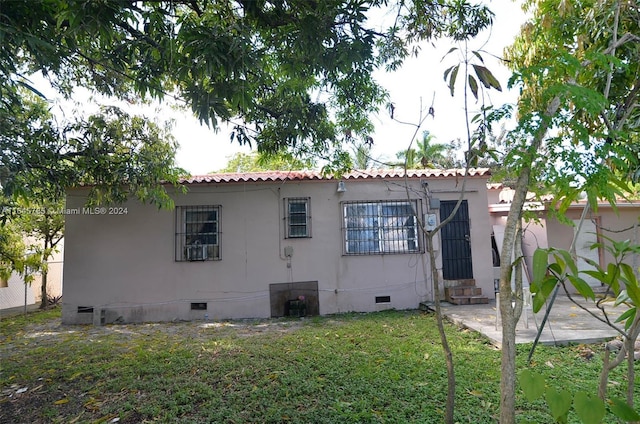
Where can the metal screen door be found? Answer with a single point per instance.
(456, 242)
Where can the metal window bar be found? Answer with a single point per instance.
(298, 217)
(381, 227)
(197, 233)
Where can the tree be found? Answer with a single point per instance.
(620, 279)
(252, 162)
(578, 69)
(292, 75)
(12, 252)
(427, 154)
(115, 154)
(15, 256)
(43, 221)
(361, 156)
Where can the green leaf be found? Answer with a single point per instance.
(540, 263)
(598, 275)
(473, 85)
(621, 246)
(478, 55)
(589, 408)
(486, 77)
(629, 315)
(557, 268)
(628, 273)
(631, 283)
(623, 411)
(447, 72)
(543, 292)
(623, 297)
(532, 384)
(569, 261)
(451, 50)
(32, 89)
(591, 261)
(538, 303)
(634, 293)
(583, 288)
(559, 402)
(452, 78)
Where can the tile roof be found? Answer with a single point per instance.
(273, 176)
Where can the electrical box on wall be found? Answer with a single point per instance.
(288, 251)
(430, 221)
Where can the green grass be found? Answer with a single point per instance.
(383, 367)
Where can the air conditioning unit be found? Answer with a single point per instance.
(197, 252)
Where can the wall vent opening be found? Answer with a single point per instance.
(85, 309)
(199, 306)
(383, 299)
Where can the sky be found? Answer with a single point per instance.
(418, 83)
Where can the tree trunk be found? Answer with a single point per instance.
(508, 366)
(451, 377)
(44, 302)
(507, 313)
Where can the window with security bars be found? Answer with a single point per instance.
(197, 233)
(381, 227)
(298, 217)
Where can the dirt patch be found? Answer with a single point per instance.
(55, 394)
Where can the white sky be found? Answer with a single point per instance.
(202, 150)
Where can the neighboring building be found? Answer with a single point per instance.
(546, 231)
(271, 244)
(13, 293)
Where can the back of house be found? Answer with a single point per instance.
(274, 244)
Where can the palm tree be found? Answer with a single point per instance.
(361, 156)
(426, 154)
(408, 157)
(431, 155)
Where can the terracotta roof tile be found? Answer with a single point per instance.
(273, 176)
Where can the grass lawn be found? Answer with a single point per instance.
(385, 367)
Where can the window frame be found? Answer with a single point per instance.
(386, 236)
(305, 216)
(209, 230)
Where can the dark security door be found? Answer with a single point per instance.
(456, 242)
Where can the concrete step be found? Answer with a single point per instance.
(462, 291)
(469, 282)
(468, 300)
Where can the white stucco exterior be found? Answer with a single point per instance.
(619, 224)
(12, 294)
(122, 266)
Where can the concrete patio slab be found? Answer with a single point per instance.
(567, 323)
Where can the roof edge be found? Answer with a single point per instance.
(279, 176)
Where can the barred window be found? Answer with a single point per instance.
(298, 217)
(380, 227)
(197, 233)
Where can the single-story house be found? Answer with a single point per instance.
(621, 223)
(272, 244)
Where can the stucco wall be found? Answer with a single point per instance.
(620, 225)
(124, 264)
(549, 232)
(13, 295)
